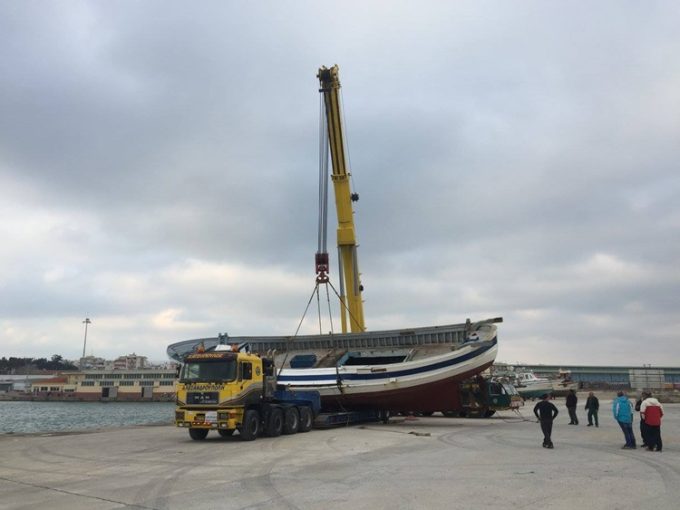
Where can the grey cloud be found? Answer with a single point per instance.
(495, 149)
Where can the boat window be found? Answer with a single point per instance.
(209, 371)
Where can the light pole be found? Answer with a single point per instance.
(86, 322)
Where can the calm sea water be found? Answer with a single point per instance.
(24, 417)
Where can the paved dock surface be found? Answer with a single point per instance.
(423, 463)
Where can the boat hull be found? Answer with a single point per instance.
(535, 391)
(431, 384)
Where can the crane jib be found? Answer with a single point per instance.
(332, 146)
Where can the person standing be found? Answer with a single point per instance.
(592, 406)
(572, 400)
(545, 413)
(623, 414)
(643, 425)
(651, 412)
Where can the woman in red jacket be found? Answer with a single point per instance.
(651, 412)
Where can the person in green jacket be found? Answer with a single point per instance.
(592, 406)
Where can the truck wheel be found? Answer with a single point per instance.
(225, 432)
(291, 421)
(275, 422)
(306, 419)
(198, 434)
(250, 427)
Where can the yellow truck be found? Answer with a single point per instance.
(226, 390)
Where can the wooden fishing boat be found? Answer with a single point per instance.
(427, 384)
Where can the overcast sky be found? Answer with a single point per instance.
(159, 166)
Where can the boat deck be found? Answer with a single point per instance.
(448, 336)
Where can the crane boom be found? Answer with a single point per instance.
(350, 295)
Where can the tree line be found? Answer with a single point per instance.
(56, 362)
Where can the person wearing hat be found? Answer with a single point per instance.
(545, 412)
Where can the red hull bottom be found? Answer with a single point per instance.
(442, 395)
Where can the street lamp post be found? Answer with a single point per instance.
(86, 322)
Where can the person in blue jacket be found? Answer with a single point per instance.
(623, 414)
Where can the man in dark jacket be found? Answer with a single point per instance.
(546, 412)
(572, 400)
(643, 425)
(592, 406)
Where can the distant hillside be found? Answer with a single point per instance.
(14, 365)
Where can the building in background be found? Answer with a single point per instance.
(92, 363)
(614, 377)
(21, 383)
(130, 362)
(108, 385)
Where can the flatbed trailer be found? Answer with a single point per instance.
(340, 419)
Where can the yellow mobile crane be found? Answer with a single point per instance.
(332, 136)
(227, 389)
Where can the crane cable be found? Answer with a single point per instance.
(330, 315)
(318, 307)
(289, 340)
(323, 178)
(351, 317)
(315, 291)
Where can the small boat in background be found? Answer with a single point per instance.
(563, 383)
(530, 386)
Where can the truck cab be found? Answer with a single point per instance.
(227, 390)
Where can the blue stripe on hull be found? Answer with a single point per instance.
(332, 378)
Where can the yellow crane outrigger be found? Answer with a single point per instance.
(351, 304)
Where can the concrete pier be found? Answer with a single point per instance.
(420, 463)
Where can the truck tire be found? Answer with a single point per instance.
(250, 427)
(225, 432)
(198, 434)
(306, 419)
(291, 420)
(275, 422)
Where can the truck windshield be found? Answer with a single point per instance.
(209, 371)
